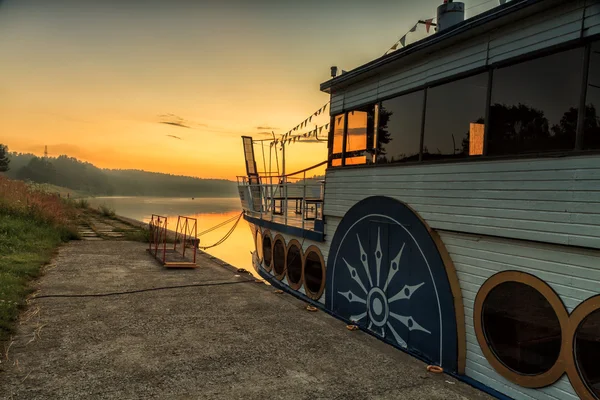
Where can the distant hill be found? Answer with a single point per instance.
(84, 177)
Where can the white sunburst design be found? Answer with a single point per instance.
(377, 303)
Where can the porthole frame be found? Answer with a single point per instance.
(294, 285)
(314, 295)
(529, 381)
(581, 312)
(277, 276)
(258, 233)
(267, 233)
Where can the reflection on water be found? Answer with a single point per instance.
(209, 212)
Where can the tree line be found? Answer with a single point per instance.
(85, 177)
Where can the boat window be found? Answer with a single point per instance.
(294, 265)
(399, 130)
(587, 348)
(279, 258)
(527, 340)
(591, 139)
(338, 133)
(267, 251)
(535, 104)
(454, 121)
(314, 272)
(359, 135)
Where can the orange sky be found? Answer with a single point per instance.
(91, 78)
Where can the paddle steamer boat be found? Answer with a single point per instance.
(459, 215)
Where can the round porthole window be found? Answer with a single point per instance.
(293, 262)
(267, 246)
(279, 258)
(587, 348)
(314, 273)
(521, 328)
(259, 246)
(519, 322)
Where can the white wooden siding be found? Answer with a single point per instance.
(555, 26)
(592, 20)
(553, 200)
(573, 273)
(337, 103)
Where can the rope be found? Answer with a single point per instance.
(219, 225)
(56, 296)
(227, 235)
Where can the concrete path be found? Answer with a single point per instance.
(231, 338)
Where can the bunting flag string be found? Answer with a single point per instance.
(313, 133)
(288, 136)
(429, 23)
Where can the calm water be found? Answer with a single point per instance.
(209, 212)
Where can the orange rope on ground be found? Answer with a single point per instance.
(435, 369)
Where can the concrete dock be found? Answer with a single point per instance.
(113, 333)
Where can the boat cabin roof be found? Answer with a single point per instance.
(468, 30)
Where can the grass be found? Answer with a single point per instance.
(140, 235)
(33, 223)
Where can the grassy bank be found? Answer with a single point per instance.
(33, 223)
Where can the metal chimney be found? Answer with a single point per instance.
(449, 14)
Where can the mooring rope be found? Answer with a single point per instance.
(220, 225)
(227, 235)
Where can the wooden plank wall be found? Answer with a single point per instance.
(558, 25)
(553, 200)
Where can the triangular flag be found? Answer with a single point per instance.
(414, 28)
(403, 40)
(295, 128)
(310, 118)
(429, 21)
(320, 129)
(394, 47)
(315, 114)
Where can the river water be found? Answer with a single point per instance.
(209, 213)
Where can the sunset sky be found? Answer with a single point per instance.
(95, 79)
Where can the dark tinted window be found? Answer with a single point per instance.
(294, 264)
(587, 349)
(534, 104)
(521, 328)
(591, 139)
(267, 251)
(454, 123)
(313, 272)
(399, 132)
(279, 257)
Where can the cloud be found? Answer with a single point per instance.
(179, 124)
(266, 128)
(172, 119)
(265, 133)
(174, 137)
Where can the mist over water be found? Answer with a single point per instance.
(208, 211)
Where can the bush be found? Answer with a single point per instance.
(82, 203)
(106, 211)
